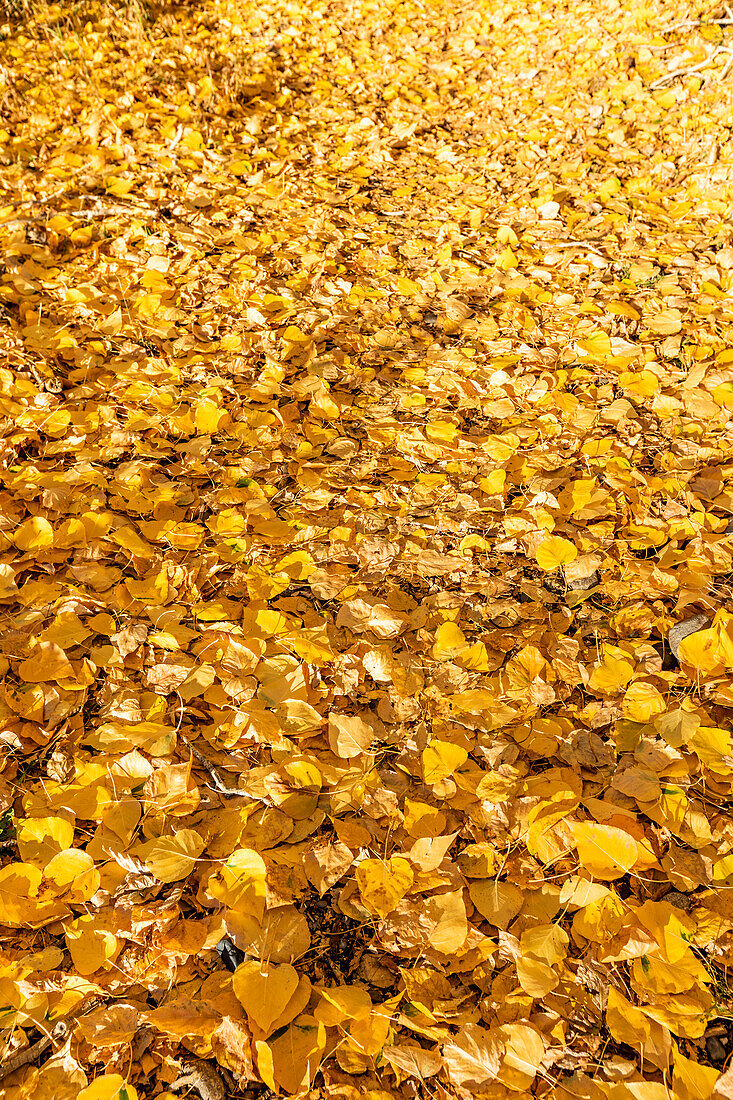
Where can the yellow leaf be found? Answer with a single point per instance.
(383, 883)
(172, 858)
(603, 850)
(208, 417)
(240, 883)
(340, 1003)
(47, 662)
(642, 702)
(692, 1081)
(348, 735)
(625, 1022)
(264, 991)
(422, 820)
(116, 736)
(474, 701)
(623, 309)
(280, 936)
(596, 347)
(666, 98)
(554, 552)
(601, 915)
(413, 1061)
(440, 759)
(506, 235)
(19, 903)
(447, 915)
(449, 641)
(369, 1033)
(441, 431)
(547, 942)
(265, 1063)
(91, 943)
(108, 1086)
(40, 838)
(297, 1054)
(197, 682)
(117, 185)
(298, 566)
(73, 875)
(642, 383)
(128, 539)
(499, 902)
(507, 260)
(536, 978)
(667, 322)
(33, 534)
(473, 1058)
(523, 1054)
(193, 141)
(709, 651)
(493, 482)
(613, 673)
(714, 748)
(405, 286)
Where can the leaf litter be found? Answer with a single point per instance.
(366, 399)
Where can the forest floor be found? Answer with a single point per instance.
(366, 555)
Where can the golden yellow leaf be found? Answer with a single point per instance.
(613, 672)
(642, 702)
(383, 883)
(40, 838)
(666, 321)
(499, 902)
(264, 991)
(625, 1022)
(33, 534)
(604, 850)
(46, 662)
(72, 875)
(297, 1054)
(108, 1086)
(340, 1003)
(349, 735)
(441, 759)
(536, 978)
(91, 943)
(554, 552)
(172, 858)
(449, 641)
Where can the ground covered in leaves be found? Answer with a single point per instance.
(366, 550)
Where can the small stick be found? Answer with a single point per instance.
(685, 72)
(227, 792)
(202, 1076)
(726, 68)
(464, 254)
(58, 1033)
(571, 244)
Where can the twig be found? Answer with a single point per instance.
(58, 1033)
(689, 24)
(177, 137)
(53, 385)
(571, 244)
(472, 257)
(726, 68)
(227, 792)
(692, 69)
(202, 1076)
